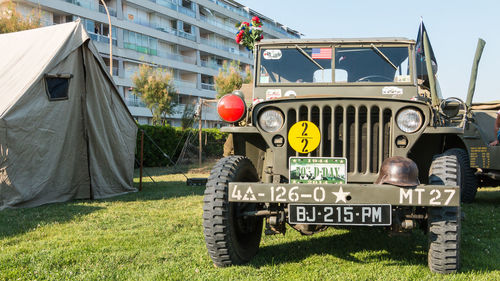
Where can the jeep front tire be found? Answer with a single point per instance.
(231, 237)
(444, 222)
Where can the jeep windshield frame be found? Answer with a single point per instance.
(353, 64)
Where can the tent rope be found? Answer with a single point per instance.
(180, 140)
(163, 153)
(139, 164)
(183, 151)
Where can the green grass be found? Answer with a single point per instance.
(157, 234)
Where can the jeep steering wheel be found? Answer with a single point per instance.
(375, 78)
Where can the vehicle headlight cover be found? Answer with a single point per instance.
(271, 120)
(409, 120)
(231, 108)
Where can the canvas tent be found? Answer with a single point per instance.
(65, 132)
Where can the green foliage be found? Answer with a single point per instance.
(12, 21)
(188, 119)
(156, 89)
(230, 78)
(172, 139)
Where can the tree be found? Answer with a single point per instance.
(154, 86)
(230, 78)
(188, 116)
(12, 21)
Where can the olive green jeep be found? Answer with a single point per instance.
(340, 132)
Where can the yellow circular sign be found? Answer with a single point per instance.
(304, 137)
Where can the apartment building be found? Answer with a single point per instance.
(191, 38)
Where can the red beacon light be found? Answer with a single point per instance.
(231, 108)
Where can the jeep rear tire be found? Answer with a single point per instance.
(231, 238)
(444, 222)
(468, 184)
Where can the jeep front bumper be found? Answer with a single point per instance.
(421, 195)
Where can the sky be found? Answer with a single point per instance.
(453, 28)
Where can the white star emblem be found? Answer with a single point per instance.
(341, 195)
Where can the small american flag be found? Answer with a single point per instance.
(321, 53)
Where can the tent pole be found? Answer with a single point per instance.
(110, 39)
(142, 160)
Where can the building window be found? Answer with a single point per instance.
(140, 43)
(57, 86)
(186, 28)
(186, 4)
(100, 32)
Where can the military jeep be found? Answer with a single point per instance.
(484, 159)
(339, 132)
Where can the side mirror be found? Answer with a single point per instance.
(450, 107)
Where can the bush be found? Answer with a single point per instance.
(171, 141)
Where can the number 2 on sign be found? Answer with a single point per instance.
(305, 129)
(305, 142)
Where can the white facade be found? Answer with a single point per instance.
(190, 38)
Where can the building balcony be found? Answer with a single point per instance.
(112, 11)
(238, 11)
(115, 70)
(179, 83)
(165, 29)
(228, 48)
(166, 3)
(209, 113)
(186, 35)
(159, 53)
(101, 38)
(219, 46)
(134, 101)
(91, 5)
(140, 49)
(246, 55)
(143, 22)
(83, 3)
(186, 11)
(177, 57)
(279, 29)
(218, 24)
(211, 65)
(206, 86)
(173, 6)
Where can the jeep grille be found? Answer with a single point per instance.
(361, 133)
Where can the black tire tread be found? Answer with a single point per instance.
(216, 228)
(469, 184)
(444, 222)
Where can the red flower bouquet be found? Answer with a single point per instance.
(249, 33)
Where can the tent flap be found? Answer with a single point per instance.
(111, 133)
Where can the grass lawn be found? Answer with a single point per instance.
(157, 234)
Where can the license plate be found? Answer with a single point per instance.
(318, 170)
(340, 214)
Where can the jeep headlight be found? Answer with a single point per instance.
(409, 120)
(271, 120)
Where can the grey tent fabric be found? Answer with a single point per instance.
(57, 150)
(492, 105)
